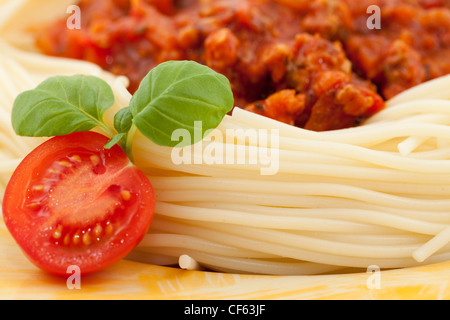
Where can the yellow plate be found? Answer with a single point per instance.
(19, 279)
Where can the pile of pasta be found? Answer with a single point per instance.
(341, 201)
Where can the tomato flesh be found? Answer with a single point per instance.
(72, 202)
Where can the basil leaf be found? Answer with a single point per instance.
(123, 120)
(174, 95)
(62, 105)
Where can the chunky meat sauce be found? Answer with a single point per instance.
(310, 63)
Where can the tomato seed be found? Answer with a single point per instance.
(95, 159)
(87, 239)
(39, 187)
(66, 240)
(98, 230)
(126, 195)
(109, 227)
(53, 171)
(75, 158)
(76, 238)
(58, 232)
(34, 205)
(65, 163)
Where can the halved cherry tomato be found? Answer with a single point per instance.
(73, 203)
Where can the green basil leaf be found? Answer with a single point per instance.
(123, 120)
(62, 105)
(176, 94)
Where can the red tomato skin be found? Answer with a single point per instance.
(33, 238)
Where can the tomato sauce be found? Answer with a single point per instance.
(412, 46)
(313, 64)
